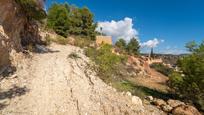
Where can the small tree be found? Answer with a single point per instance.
(58, 19)
(133, 47)
(82, 23)
(33, 13)
(31, 9)
(121, 43)
(65, 20)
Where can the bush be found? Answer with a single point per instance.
(133, 47)
(61, 40)
(162, 68)
(82, 42)
(108, 63)
(189, 83)
(48, 40)
(31, 9)
(128, 86)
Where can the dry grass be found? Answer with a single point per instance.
(58, 39)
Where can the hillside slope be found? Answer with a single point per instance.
(53, 84)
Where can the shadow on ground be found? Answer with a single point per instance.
(7, 72)
(43, 49)
(15, 91)
(155, 93)
(143, 91)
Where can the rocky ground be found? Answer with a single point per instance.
(52, 83)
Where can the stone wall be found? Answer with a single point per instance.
(104, 39)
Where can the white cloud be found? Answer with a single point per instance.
(162, 41)
(152, 43)
(118, 29)
(173, 50)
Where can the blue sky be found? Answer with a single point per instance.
(174, 21)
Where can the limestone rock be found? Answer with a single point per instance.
(136, 101)
(12, 24)
(159, 102)
(149, 98)
(166, 108)
(128, 94)
(175, 103)
(185, 110)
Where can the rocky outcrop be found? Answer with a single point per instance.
(13, 25)
(12, 22)
(185, 110)
(174, 107)
(4, 52)
(175, 103)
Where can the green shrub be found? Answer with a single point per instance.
(162, 68)
(128, 86)
(31, 9)
(48, 40)
(108, 62)
(61, 40)
(82, 42)
(189, 83)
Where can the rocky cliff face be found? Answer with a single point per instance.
(13, 23)
(3, 48)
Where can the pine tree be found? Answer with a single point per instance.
(133, 47)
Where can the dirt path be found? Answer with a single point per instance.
(155, 80)
(53, 84)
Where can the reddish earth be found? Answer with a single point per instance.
(153, 79)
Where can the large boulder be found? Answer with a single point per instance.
(185, 110)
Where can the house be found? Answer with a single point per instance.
(103, 40)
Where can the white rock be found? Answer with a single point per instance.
(175, 103)
(167, 108)
(128, 94)
(136, 101)
(14, 76)
(149, 98)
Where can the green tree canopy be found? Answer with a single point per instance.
(31, 9)
(121, 43)
(191, 46)
(65, 19)
(133, 47)
(189, 83)
(58, 19)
